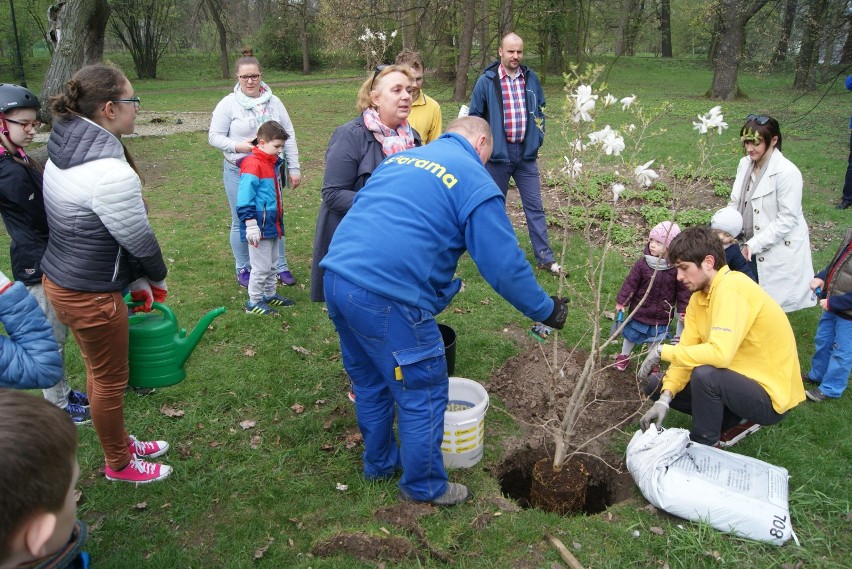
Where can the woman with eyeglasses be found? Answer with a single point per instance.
(357, 147)
(100, 244)
(768, 193)
(233, 128)
(22, 208)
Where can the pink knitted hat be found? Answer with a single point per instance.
(664, 232)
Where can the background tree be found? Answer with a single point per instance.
(81, 42)
(145, 28)
(665, 28)
(733, 16)
(463, 63)
(780, 53)
(814, 21)
(215, 11)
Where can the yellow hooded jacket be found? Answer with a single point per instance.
(738, 326)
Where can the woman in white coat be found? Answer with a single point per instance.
(768, 193)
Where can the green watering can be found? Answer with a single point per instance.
(158, 348)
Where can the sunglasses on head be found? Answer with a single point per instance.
(759, 119)
(379, 69)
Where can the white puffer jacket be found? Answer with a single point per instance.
(97, 219)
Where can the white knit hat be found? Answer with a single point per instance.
(728, 220)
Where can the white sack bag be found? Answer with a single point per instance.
(730, 492)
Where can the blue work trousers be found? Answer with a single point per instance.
(832, 359)
(526, 176)
(231, 180)
(394, 354)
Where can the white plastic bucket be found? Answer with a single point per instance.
(464, 423)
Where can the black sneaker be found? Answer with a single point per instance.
(79, 414)
(140, 391)
(455, 494)
(78, 398)
(844, 205)
(816, 395)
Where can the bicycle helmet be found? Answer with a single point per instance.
(17, 97)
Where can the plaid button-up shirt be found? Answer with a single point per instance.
(514, 105)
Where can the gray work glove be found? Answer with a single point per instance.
(657, 413)
(652, 360)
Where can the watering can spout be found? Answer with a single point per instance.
(188, 343)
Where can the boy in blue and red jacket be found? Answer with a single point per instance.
(262, 217)
(832, 360)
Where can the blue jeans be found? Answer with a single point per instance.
(394, 354)
(832, 360)
(231, 179)
(526, 176)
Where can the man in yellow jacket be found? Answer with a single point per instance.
(736, 366)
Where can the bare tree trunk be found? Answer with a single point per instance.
(214, 9)
(409, 25)
(809, 52)
(506, 22)
(665, 28)
(304, 16)
(733, 17)
(463, 64)
(81, 42)
(484, 34)
(624, 35)
(846, 53)
(780, 53)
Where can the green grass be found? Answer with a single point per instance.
(227, 499)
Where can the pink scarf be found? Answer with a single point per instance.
(392, 141)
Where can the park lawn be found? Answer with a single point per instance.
(269, 489)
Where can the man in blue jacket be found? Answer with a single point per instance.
(509, 96)
(389, 270)
(846, 200)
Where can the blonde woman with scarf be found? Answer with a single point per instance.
(357, 147)
(232, 129)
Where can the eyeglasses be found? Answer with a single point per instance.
(26, 125)
(379, 69)
(249, 77)
(759, 119)
(135, 100)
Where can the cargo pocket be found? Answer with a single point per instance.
(422, 367)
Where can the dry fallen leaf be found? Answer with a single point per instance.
(342, 487)
(249, 352)
(140, 506)
(254, 443)
(384, 530)
(301, 350)
(170, 411)
(261, 551)
(247, 424)
(656, 530)
(297, 408)
(485, 300)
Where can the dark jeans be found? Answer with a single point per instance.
(847, 185)
(718, 399)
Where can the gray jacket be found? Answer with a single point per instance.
(95, 212)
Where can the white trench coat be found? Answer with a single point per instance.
(781, 242)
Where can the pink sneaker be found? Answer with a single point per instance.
(147, 449)
(621, 362)
(139, 472)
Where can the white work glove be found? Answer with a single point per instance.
(140, 291)
(4, 282)
(252, 232)
(657, 413)
(652, 360)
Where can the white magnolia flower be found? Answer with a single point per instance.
(616, 191)
(584, 103)
(597, 136)
(577, 146)
(609, 100)
(631, 127)
(712, 120)
(573, 167)
(627, 101)
(342, 487)
(393, 34)
(644, 175)
(610, 140)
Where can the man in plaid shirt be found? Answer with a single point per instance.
(509, 96)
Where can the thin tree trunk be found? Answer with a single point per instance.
(463, 65)
(665, 28)
(213, 10)
(780, 53)
(846, 52)
(809, 52)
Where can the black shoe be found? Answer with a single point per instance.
(140, 391)
(844, 205)
(816, 395)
